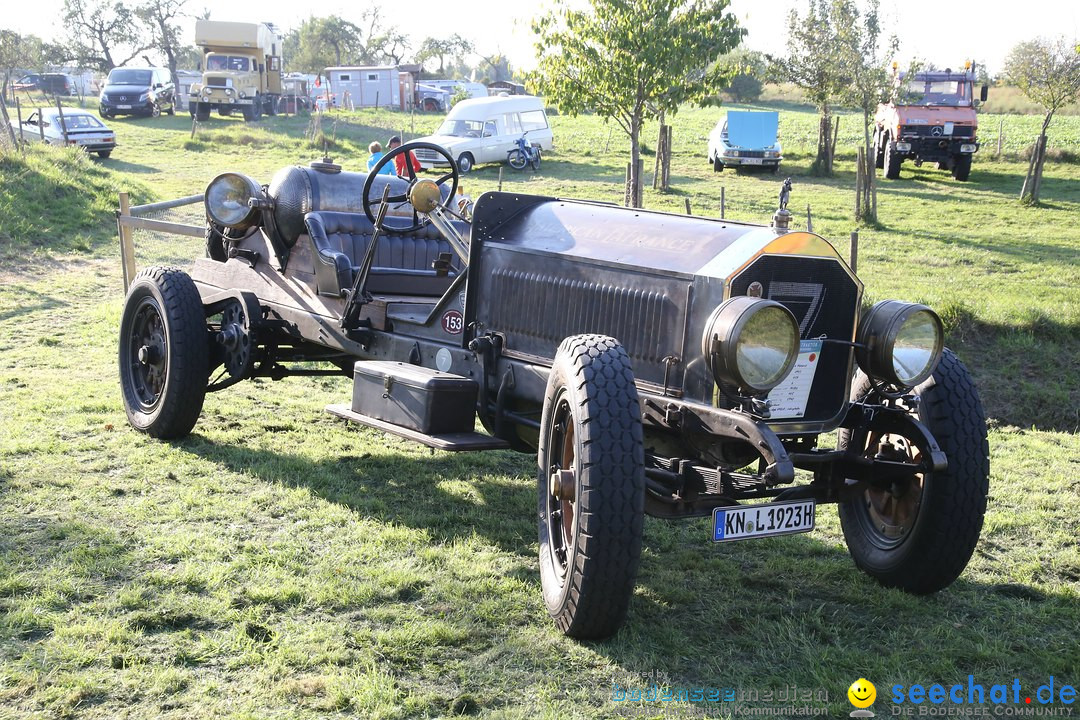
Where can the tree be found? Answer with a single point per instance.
(102, 35)
(812, 63)
(749, 70)
(441, 48)
(866, 81)
(1048, 72)
(160, 18)
(323, 42)
(17, 53)
(394, 46)
(630, 60)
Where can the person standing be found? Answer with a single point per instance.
(400, 160)
(376, 154)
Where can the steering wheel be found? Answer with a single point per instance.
(390, 221)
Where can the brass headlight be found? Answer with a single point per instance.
(228, 200)
(751, 343)
(899, 342)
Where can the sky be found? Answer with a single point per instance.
(943, 33)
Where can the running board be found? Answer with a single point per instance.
(451, 442)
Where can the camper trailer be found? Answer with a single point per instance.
(365, 86)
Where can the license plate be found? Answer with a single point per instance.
(123, 107)
(751, 161)
(754, 521)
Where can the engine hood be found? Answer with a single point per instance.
(450, 142)
(655, 242)
(935, 114)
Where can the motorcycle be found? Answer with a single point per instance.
(524, 154)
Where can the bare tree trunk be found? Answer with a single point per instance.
(635, 163)
(1039, 162)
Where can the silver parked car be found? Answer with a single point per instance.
(82, 129)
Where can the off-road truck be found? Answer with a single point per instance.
(931, 118)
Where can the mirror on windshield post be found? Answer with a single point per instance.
(983, 93)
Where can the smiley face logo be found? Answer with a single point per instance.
(862, 693)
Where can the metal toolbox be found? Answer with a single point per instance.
(418, 398)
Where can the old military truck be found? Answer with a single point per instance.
(241, 70)
(930, 119)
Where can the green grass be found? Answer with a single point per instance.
(282, 563)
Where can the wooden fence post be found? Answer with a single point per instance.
(63, 125)
(686, 201)
(853, 252)
(1001, 130)
(7, 123)
(18, 110)
(722, 203)
(127, 246)
(500, 178)
(809, 219)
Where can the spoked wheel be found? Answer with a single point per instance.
(536, 160)
(591, 487)
(919, 534)
(516, 159)
(371, 200)
(164, 353)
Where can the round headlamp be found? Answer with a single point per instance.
(899, 342)
(751, 343)
(227, 200)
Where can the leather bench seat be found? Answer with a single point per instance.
(402, 263)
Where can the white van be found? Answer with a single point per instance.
(485, 130)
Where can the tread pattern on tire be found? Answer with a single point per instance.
(611, 505)
(185, 388)
(954, 511)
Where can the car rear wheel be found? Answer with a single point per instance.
(164, 353)
(465, 163)
(104, 153)
(591, 486)
(919, 534)
(717, 166)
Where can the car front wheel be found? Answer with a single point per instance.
(164, 353)
(591, 486)
(892, 160)
(919, 534)
(465, 163)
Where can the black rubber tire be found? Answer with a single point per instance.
(879, 152)
(962, 167)
(949, 518)
(537, 158)
(465, 163)
(587, 572)
(104, 153)
(717, 166)
(271, 106)
(516, 160)
(166, 299)
(202, 112)
(172, 107)
(155, 111)
(431, 105)
(892, 161)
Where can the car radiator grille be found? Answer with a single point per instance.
(538, 310)
(959, 131)
(824, 300)
(428, 156)
(122, 97)
(217, 81)
(752, 153)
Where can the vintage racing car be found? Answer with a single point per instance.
(656, 364)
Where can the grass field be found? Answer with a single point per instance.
(280, 563)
